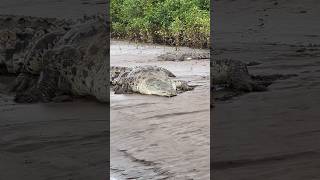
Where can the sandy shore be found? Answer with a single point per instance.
(274, 134)
(156, 137)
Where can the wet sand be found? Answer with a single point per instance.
(273, 134)
(53, 141)
(157, 137)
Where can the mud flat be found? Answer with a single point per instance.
(272, 134)
(52, 141)
(158, 137)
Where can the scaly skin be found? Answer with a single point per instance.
(234, 75)
(76, 64)
(17, 33)
(151, 80)
(183, 56)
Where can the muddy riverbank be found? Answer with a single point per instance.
(157, 137)
(272, 134)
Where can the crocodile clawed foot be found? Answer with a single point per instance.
(118, 89)
(22, 83)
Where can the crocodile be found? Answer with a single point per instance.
(17, 32)
(74, 64)
(234, 74)
(151, 80)
(183, 56)
(231, 77)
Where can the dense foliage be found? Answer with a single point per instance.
(174, 22)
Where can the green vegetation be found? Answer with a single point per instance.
(174, 22)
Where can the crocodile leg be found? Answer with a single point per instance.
(122, 89)
(43, 91)
(23, 82)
